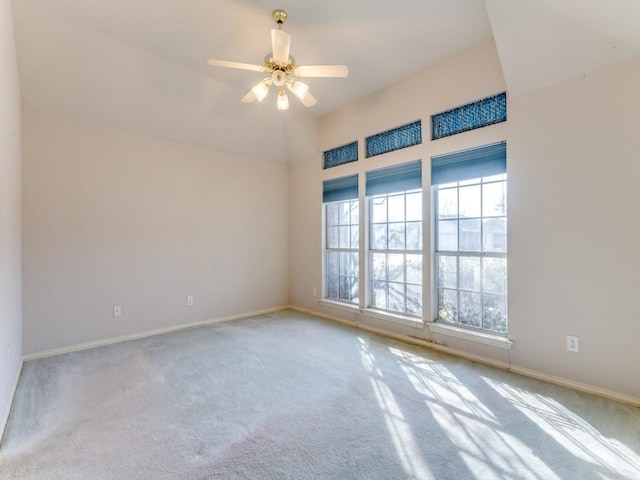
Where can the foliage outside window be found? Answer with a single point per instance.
(471, 251)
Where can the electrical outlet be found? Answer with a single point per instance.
(190, 300)
(573, 343)
(315, 292)
(117, 311)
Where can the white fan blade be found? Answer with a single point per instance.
(243, 66)
(249, 97)
(280, 44)
(307, 100)
(322, 71)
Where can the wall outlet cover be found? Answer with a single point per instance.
(573, 343)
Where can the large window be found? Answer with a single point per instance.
(342, 227)
(471, 238)
(395, 238)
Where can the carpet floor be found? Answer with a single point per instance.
(291, 396)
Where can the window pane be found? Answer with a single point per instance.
(502, 176)
(495, 313)
(396, 297)
(448, 271)
(332, 263)
(414, 236)
(332, 287)
(494, 275)
(332, 237)
(379, 295)
(345, 213)
(332, 214)
(379, 237)
(379, 266)
(354, 264)
(345, 238)
(414, 207)
(414, 299)
(396, 236)
(348, 288)
(470, 201)
(355, 236)
(494, 196)
(345, 267)
(448, 235)
(414, 269)
(396, 208)
(470, 236)
(448, 203)
(396, 267)
(469, 274)
(344, 288)
(494, 235)
(355, 212)
(471, 309)
(448, 305)
(354, 289)
(473, 181)
(379, 210)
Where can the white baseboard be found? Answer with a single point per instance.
(5, 417)
(407, 339)
(564, 382)
(582, 387)
(601, 392)
(134, 336)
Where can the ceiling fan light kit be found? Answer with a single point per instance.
(282, 70)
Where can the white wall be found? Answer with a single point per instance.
(114, 218)
(10, 230)
(573, 166)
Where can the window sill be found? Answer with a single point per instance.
(393, 317)
(473, 336)
(347, 307)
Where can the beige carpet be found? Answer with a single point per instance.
(289, 396)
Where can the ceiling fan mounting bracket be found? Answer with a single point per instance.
(279, 16)
(271, 65)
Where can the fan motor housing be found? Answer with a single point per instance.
(279, 77)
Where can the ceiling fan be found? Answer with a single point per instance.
(282, 70)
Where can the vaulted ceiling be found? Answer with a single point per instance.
(141, 65)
